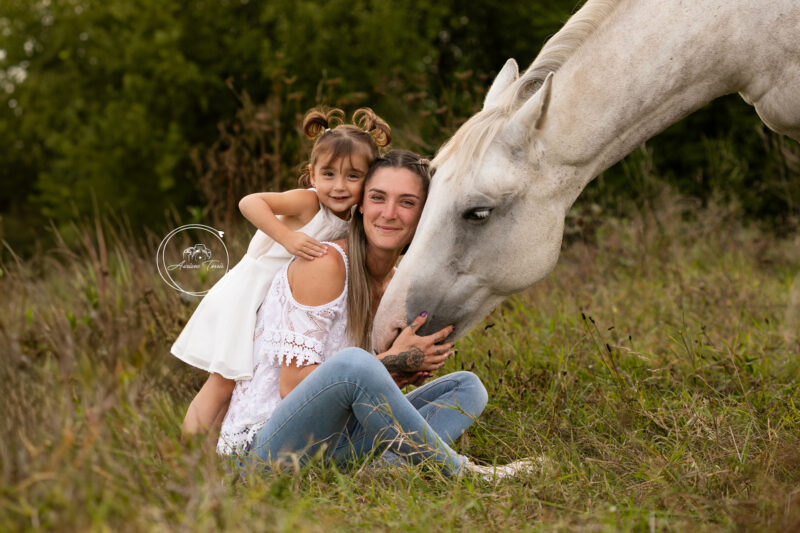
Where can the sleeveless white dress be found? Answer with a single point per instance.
(219, 335)
(285, 330)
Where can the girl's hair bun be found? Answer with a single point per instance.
(320, 119)
(366, 119)
(368, 133)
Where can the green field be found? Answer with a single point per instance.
(654, 372)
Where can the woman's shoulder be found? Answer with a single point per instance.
(318, 281)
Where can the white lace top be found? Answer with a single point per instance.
(285, 330)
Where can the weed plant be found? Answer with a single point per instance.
(654, 372)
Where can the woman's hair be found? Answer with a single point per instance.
(361, 283)
(366, 135)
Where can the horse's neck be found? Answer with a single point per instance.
(651, 63)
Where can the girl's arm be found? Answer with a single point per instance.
(297, 207)
(312, 283)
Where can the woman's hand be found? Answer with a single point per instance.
(301, 245)
(416, 379)
(411, 353)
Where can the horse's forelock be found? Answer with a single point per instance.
(470, 143)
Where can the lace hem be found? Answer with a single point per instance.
(280, 347)
(236, 443)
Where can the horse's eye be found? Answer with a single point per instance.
(478, 214)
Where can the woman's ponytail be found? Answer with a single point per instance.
(359, 286)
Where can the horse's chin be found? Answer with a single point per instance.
(382, 340)
(389, 322)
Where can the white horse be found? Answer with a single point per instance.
(618, 72)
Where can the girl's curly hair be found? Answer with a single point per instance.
(366, 135)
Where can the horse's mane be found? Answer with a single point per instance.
(477, 133)
(560, 47)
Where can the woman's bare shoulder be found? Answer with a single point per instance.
(319, 281)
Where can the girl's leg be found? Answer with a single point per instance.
(208, 405)
(450, 405)
(315, 415)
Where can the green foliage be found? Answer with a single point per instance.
(112, 100)
(104, 103)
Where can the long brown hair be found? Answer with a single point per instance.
(361, 283)
(367, 134)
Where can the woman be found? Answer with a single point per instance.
(303, 399)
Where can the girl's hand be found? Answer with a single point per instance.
(411, 353)
(301, 245)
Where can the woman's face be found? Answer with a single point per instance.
(392, 204)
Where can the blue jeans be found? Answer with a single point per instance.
(350, 408)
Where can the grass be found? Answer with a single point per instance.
(655, 370)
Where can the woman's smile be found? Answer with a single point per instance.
(386, 229)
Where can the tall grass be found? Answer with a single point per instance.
(654, 370)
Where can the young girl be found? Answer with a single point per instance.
(219, 336)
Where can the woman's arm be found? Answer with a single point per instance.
(297, 207)
(312, 283)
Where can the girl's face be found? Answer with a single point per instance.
(339, 182)
(392, 205)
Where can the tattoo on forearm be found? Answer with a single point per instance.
(408, 361)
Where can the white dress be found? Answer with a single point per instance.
(285, 330)
(219, 335)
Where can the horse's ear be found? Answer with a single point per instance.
(507, 75)
(534, 110)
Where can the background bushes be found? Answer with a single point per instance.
(139, 108)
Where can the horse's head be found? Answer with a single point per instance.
(493, 221)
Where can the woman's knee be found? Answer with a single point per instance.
(355, 361)
(473, 397)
